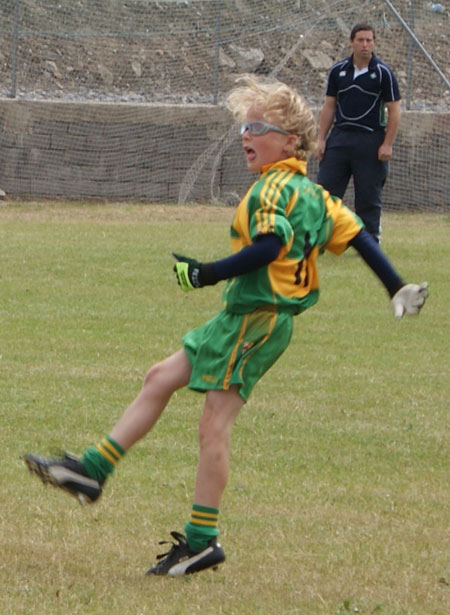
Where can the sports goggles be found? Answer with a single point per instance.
(258, 128)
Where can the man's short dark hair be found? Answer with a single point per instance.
(359, 27)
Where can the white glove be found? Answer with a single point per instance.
(409, 299)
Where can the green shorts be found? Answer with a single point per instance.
(236, 349)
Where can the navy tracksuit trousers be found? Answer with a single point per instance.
(355, 153)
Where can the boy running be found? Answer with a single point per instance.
(280, 227)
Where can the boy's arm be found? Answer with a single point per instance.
(373, 256)
(405, 298)
(193, 274)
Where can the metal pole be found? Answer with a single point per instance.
(418, 43)
(410, 58)
(15, 43)
(216, 53)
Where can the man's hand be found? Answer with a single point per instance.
(188, 272)
(384, 152)
(409, 299)
(321, 147)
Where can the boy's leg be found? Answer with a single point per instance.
(84, 478)
(200, 549)
(161, 381)
(220, 411)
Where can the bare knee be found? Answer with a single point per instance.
(157, 383)
(219, 414)
(168, 375)
(209, 433)
(154, 374)
(214, 430)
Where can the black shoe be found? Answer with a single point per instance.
(181, 560)
(67, 473)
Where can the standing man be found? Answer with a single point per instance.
(359, 90)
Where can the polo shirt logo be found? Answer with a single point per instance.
(342, 73)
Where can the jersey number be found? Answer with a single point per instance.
(301, 273)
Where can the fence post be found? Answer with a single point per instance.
(15, 43)
(410, 57)
(418, 43)
(216, 52)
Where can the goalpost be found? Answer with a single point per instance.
(143, 57)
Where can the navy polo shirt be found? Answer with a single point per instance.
(360, 101)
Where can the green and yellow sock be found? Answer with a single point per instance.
(101, 459)
(201, 527)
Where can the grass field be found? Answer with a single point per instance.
(338, 499)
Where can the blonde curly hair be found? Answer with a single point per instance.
(280, 105)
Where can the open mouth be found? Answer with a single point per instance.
(250, 153)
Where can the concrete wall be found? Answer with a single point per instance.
(144, 152)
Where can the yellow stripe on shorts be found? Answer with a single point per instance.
(229, 372)
(273, 320)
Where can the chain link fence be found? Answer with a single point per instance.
(190, 50)
(123, 99)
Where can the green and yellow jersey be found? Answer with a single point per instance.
(306, 218)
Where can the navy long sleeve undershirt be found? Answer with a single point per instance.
(371, 253)
(260, 253)
(267, 247)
